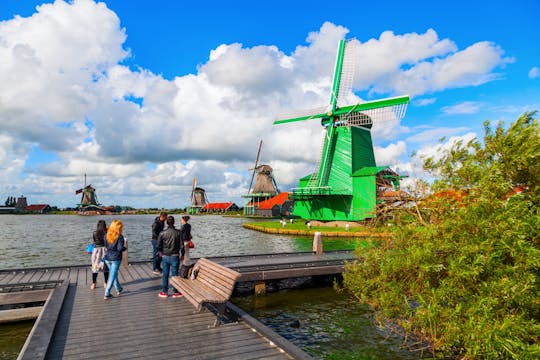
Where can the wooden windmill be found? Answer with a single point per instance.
(198, 198)
(265, 185)
(89, 201)
(344, 186)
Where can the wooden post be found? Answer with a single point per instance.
(317, 243)
(260, 287)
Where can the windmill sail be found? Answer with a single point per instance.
(347, 73)
(255, 167)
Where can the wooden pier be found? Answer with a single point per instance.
(76, 323)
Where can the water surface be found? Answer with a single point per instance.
(58, 240)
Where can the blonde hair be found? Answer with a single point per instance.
(114, 231)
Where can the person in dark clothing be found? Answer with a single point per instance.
(171, 246)
(185, 230)
(98, 253)
(157, 227)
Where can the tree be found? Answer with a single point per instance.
(10, 201)
(468, 281)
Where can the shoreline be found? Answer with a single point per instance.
(285, 231)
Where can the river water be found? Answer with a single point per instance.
(57, 240)
(325, 324)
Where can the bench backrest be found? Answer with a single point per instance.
(217, 277)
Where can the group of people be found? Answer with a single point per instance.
(169, 249)
(109, 244)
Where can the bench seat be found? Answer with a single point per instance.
(213, 284)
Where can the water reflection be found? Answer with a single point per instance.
(326, 324)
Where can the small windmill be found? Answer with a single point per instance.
(265, 184)
(344, 185)
(198, 198)
(89, 200)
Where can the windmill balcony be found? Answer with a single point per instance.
(302, 192)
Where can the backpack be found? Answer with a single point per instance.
(185, 270)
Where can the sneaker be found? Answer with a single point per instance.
(156, 272)
(93, 286)
(163, 294)
(119, 292)
(177, 295)
(107, 297)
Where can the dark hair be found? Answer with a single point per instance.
(101, 229)
(170, 221)
(185, 218)
(163, 214)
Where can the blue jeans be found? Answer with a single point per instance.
(113, 276)
(170, 264)
(156, 261)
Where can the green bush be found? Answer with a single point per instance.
(465, 277)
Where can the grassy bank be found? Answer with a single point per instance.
(301, 229)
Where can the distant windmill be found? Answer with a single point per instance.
(89, 200)
(344, 186)
(198, 198)
(265, 184)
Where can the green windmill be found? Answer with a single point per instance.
(348, 185)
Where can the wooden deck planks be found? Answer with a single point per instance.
(142, 325)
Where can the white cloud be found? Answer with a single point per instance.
(391, 154)
(534, 73)
(65, 90)
(417, 64)
(431, 135)
(424, 101)
(437, 151)
(466, 107)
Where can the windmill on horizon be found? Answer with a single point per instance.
(198, 198)
(265, 185)
(89, 203)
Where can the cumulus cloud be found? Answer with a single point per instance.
(417, 64)
(66, 90)
(391, 154)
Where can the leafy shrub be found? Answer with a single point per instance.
(465, 276)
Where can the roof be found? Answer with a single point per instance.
(36, 207)
(217, 206)
(279, 199)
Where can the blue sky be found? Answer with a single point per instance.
(143, 96)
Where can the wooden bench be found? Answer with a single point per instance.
(213, 284)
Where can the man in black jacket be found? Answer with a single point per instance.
(157, 227)
(171, 246)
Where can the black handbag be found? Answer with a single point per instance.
(185, 270)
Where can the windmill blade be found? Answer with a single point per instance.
(301, 115)
(374, 111)
(255, 167)
(347, 73)
(368, 105)
(193, 188)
